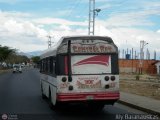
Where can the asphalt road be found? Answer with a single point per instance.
(20, 98)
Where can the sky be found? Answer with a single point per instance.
(25, 24)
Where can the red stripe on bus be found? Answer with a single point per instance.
(66, 65)
(98, 59)
(86, 96)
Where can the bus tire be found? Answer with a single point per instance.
(43, 95)
(50, 101)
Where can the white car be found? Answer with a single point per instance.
(17, 68)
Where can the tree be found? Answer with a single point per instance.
(35, 59)
(10, 56)
(5, 52)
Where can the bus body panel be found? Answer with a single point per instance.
(88, 85)
(49, 86)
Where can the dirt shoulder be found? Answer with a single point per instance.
(147, 85)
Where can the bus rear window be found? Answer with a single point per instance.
(91, 64)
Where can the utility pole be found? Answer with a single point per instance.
(49, 41)
(147, 54)
(142, 45)
(154, 55)
(92, 13)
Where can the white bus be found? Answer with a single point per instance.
(81, 69)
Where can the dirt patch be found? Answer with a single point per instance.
(148, 86)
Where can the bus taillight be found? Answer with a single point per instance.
(106, 78)
(64, 79)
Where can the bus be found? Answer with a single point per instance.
(81, 69)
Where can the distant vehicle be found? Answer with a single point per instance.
(17, 68)
(81, 69)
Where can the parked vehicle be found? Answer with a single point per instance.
(17, 68)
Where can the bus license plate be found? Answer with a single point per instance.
(89, 97)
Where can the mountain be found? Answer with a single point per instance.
(35, 53)
(30, 54)
(25, 54)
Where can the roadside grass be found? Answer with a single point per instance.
(146, 85)
(4, 70)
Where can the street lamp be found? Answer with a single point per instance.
(96, 11)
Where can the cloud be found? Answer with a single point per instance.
(130, 19)
(28, 33)
(58, 21)
(130, 38)
(25, 28)
(19, 33)
(66, 31)
(125, 14)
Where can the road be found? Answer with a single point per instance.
(20, 97)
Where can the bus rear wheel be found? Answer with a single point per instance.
(57, 106)
(42, 94)
(50, 102)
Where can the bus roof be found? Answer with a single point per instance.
(52, 51)
(86, 37)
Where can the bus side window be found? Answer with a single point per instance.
(60, 65)
(40, 66)
(55, 68)
(51, 65)
(46, 66)
(114, 63)
(43, 65)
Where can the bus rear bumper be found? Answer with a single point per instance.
(100, 96)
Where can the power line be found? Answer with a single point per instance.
(73, 7)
